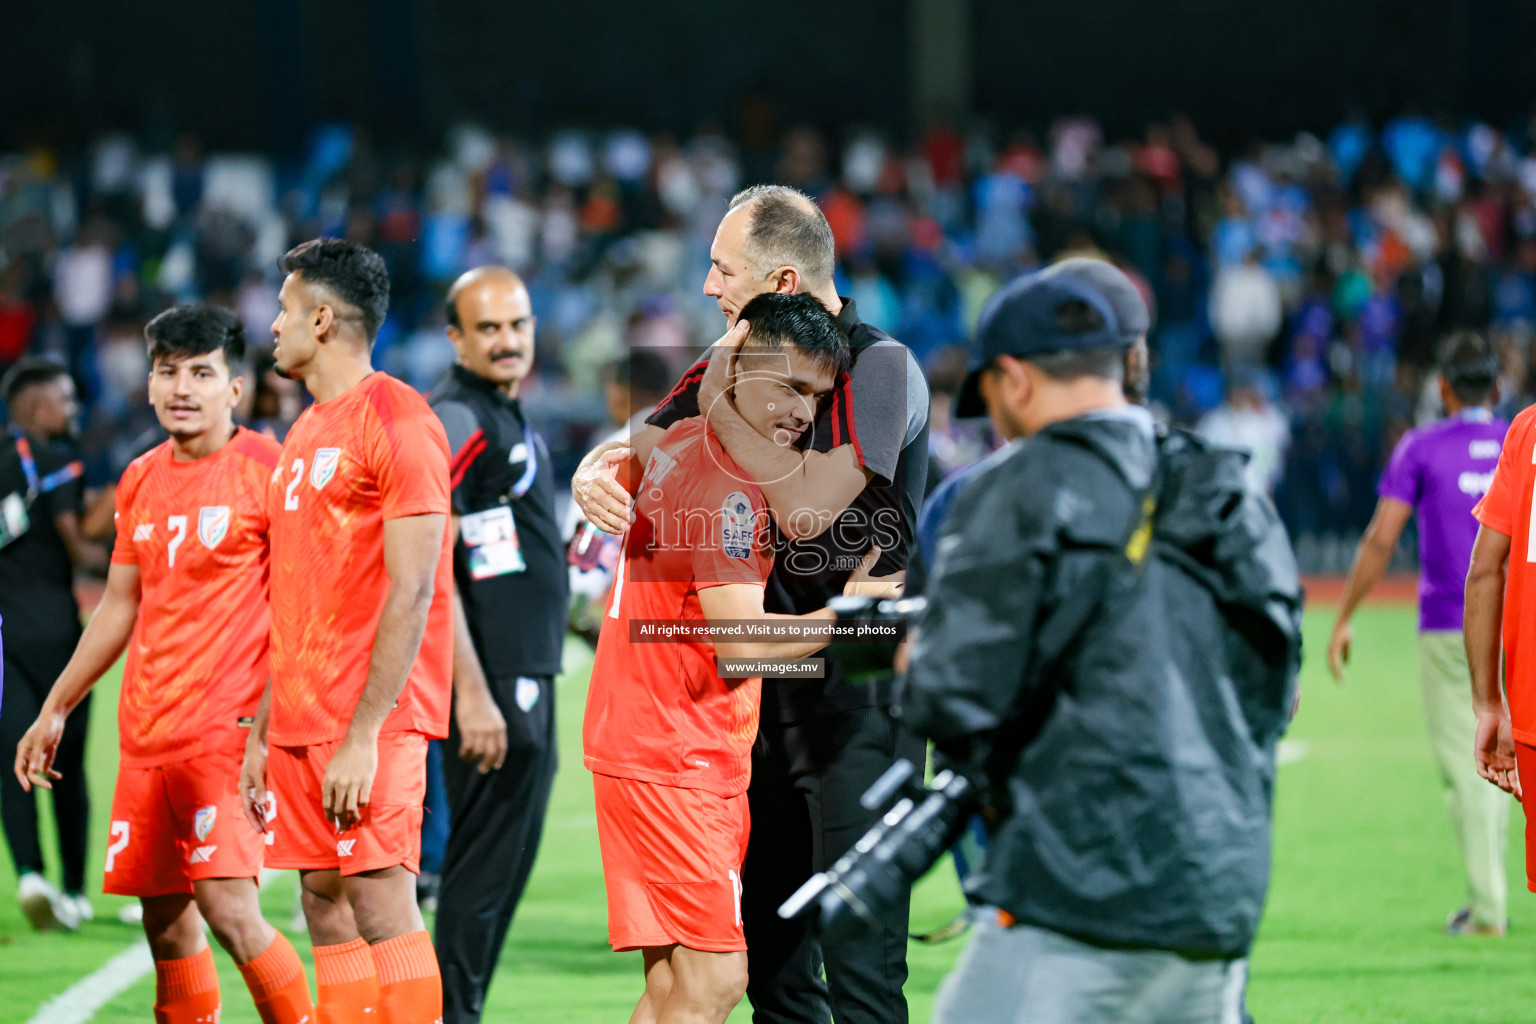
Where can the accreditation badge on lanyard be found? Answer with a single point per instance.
(491, 535)
(14, 520)
(15, 508)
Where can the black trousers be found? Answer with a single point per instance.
(495, 821)
(28, 677)
(807, 779)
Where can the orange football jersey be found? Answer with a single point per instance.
(1507, 509)
(373, 453)
(659, 712)
(197, 661)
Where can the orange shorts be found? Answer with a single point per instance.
(178, 822)
(390, 830)
(671, 864)
(1525, 762)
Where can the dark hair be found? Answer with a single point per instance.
(29, 372)
(183, 331)
(1470, 366)
(643, 373)
(787, 229)
(1072, 363)
(353, 273)
(799, 320)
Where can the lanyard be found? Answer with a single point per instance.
(531, 470)
(52, 481)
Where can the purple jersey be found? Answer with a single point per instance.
(1442, 470)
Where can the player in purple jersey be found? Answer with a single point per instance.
(1439, 472)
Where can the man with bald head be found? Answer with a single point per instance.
(509, 607)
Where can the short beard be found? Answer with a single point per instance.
(1137, 384)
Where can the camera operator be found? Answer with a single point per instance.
(1108, 654)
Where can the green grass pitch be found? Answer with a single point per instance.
(1365, 872)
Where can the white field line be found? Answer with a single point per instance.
(80, 1001)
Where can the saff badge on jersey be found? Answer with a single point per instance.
(326, 461)
(212, 524)
(736, 524)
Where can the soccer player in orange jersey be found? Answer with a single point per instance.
(1501, 600)
(187, 596)
(668, 740)
(362, 642)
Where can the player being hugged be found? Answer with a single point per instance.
(187, 596)
(667, 738)
(362, 642)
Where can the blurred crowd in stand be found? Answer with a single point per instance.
(1299, 288)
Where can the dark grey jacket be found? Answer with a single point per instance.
(1119, 700)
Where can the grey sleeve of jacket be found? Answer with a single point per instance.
(975, 638)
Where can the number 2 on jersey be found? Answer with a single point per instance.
(291, 501)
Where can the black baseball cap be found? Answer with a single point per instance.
(1024, 318)
(1115, 285)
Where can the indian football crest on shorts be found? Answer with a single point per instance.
(212, 524)
(527, 693)
(202, 821)
(326, 461)
(736, 522)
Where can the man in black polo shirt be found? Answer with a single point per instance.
(509, 604)
(854, 479)
(41, 546)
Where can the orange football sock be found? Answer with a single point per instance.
(278, 986)
(345, 982)
(187, 990)
(409, 979)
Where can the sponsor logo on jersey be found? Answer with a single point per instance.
(661, 463)
(212, 524)
(736, 522)
(1474, 484)
(344, 847)
(143, 531)
(202, 855)
(326, 461)
(202, 821)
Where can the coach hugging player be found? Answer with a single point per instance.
(851, 480)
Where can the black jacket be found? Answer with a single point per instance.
(500, 466)
(1110, 648)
